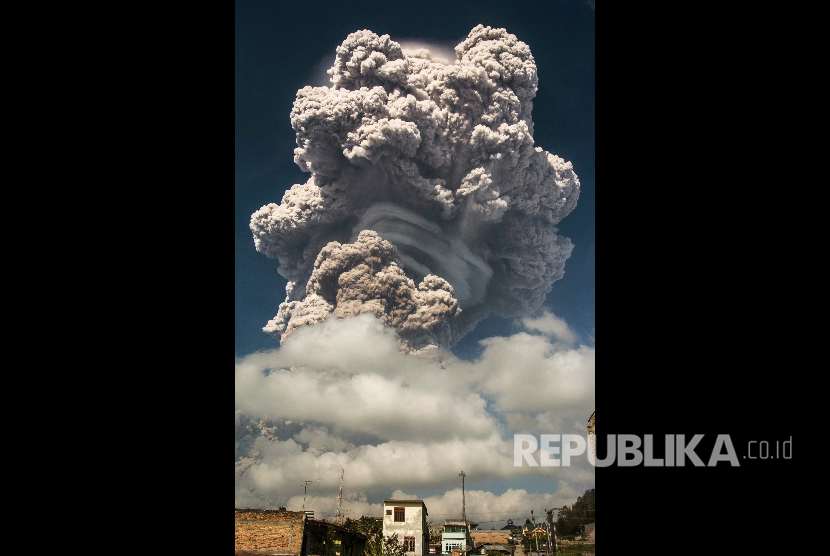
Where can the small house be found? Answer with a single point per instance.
(456, 537)
(408, 520)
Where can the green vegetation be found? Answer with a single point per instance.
(376, 544)
(575, 549)
(571, 520)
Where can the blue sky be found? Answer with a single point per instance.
(282, 47)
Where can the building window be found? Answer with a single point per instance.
(388, 512)
(399, 514)
(409, 544)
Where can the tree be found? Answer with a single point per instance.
(435, 531)
(572, 520)
(372, 528)
(392, 546)
(527, 538)
(376, 544)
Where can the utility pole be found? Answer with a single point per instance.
(305, 492)
(548, 525)
(547, 530)
(535, 536)
(339, 517)
(552, 528)
(555, 542)
(463, 499)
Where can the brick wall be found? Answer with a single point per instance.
(269, 532)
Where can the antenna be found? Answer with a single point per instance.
(305, 492)
(463, 499)
(547, 528)
(339, 517)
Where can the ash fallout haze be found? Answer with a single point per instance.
(412, 319)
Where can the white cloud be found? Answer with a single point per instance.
(326, 506)
(527, 373)
(342, 395)
(319, 440)
(284, 464)
(366, 385)
(551, 325)
(487, 508)
(351, 375)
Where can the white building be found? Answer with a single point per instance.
(456, 537)
(408, 520)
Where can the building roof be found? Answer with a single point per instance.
(491, 537)
(501, 547)
(410, 501)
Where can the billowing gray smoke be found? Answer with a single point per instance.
(438, 161)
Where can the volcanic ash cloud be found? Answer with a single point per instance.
(428, 203)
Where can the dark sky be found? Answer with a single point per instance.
(282, 46)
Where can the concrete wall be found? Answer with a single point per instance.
(590, 532)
